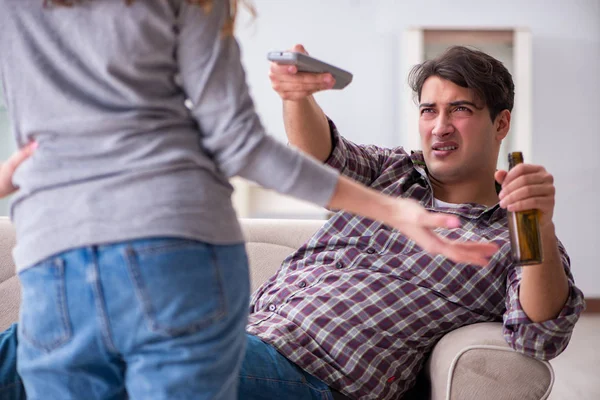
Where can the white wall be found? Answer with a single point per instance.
(363, 36)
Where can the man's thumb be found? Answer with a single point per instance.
(300, 49)
(500, 175)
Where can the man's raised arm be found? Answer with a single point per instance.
(305, 122)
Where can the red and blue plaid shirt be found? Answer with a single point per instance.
(360, 305)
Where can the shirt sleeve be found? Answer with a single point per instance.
(231, 132)
(542, 340)
(363, 163)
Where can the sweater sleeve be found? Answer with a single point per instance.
(231, 132)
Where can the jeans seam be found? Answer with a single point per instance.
(137, 283)
(219, 278)
(63, 310)
(99, 302)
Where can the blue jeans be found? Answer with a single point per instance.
(147, 319)
(268, 375)
(11, 387)
(265, 373)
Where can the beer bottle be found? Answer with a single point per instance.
(524, 228)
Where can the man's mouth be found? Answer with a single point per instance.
(444, 146)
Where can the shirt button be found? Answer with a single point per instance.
(272, 307)
(371, 251)
(302, 284)
(339, 265)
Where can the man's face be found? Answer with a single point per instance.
(459, 140)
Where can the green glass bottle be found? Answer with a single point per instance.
(524, 228)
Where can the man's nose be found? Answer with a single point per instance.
(442, 126)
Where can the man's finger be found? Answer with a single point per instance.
(526, 192)
(298, 48)
(521, 170)
(522, 181)
(303, 77)
(280, 70)
(285, 87)
(500, 176)
(532, 203)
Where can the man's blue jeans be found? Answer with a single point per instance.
(265, 374)
(11, 387)
(148, 319)
(268, 375)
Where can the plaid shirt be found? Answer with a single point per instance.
(360, 305)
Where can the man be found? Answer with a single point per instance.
(358, 308)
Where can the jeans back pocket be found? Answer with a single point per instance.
(44, 319)
(178, 283)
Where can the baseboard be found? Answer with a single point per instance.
(592, 306)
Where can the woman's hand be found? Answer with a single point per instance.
(8, 168)
(418, 224)
(413, 220)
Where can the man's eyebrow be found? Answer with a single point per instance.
(453, 104)
(464, 103)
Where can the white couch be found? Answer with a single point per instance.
(473, 362)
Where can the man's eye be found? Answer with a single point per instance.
(460, 108)
(426, 110)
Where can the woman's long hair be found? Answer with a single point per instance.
(228, 28)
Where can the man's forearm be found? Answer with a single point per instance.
(544, 287)
(307, 128)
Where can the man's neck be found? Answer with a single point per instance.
(465, 192)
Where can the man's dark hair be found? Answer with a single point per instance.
(487, 77)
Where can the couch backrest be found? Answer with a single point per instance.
(9, 285)
(269, 241)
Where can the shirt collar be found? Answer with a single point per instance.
(467, 210)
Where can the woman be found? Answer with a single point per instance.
(130, 256)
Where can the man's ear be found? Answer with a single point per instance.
(502, 124)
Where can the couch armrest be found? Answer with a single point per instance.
(475, 362)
